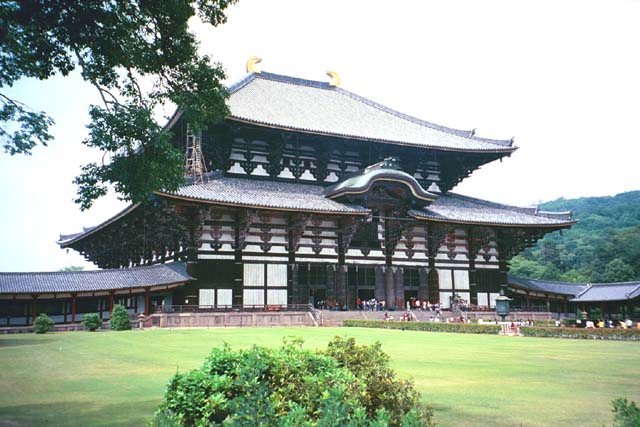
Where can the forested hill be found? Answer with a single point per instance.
(604, 246)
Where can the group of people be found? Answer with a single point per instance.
(608, 323)
(424, 305)
(371, 305)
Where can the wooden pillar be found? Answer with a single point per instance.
(472, 252)
(64, 311)
(331, 284)
(389, 286)
(34, 308)
(379, 291)
(111, 301)
(399, 279)
(423, 289)
(147, 301)
(73, 308)
(236, 292)
(564, 303)
(341, 286)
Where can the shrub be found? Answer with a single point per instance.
(582, 333)
(91, 322)
(462, 328)
(119, 319)
(626, 414)
(42, 324)
(291, 387)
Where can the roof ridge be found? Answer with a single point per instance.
(526, 210)
(79, 272)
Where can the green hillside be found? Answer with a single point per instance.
(604, 246)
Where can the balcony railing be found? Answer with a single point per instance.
(233, 308)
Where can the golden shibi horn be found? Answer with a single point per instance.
(335, 78)
(251, 64)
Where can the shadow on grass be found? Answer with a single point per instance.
(125, 413)
(19, 342)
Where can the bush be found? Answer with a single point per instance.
(462, 328)
(582, 333)
(42, 324)
(626, 414)
(119, 319)
(91, 322)
(347, 385)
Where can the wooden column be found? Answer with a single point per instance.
(346, 298)
(390, 294)
(399, 279)
(111, 302)
(423, 289)
(379, 282)
(147, 301)
(64, 312)
(34, 308)
(236, 291)
(73, 308)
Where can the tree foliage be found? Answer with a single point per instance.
(138, 55)
(291, 386)
(42, 324)
(119, 319)
(92, 322)
(604, 246)
(626, 413)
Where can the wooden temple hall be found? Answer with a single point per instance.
(305, 193)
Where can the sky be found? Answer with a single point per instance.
(562, 77)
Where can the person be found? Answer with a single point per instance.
(386, 316)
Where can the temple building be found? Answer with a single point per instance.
(314, 194)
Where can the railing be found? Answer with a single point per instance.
(234, 308)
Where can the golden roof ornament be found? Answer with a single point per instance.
(335, 78)
(251, 65)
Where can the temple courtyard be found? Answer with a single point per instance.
(118, 378)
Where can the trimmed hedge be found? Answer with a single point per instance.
(474, 328)
(461, 328)
(581, 333)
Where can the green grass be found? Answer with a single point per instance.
(118, 378)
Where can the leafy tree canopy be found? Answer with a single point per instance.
(604, 246)
(138, 55)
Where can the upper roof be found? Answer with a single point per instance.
(266, 194)
(316, 107)
(91, 281)
(456, 208)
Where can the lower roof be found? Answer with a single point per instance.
(94, 281)
(297, 197)
(456, 208)
(581, 292)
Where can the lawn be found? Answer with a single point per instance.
(118, 378)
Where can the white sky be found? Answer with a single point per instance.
(563, 77)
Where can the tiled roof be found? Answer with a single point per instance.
(581, 292)
(90, 281)
(609, 292)
(264, 194)
(457, 208)
(316, 107)
(553, 287)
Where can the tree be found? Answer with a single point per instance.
(618, 271)
(72, 268)
(119, 319)
(138, 55)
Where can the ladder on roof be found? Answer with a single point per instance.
(194, 161)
